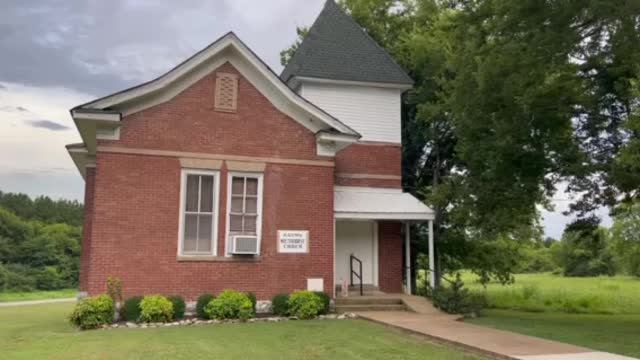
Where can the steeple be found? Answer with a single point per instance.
(337, 48)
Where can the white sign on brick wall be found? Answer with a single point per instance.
(293, 241)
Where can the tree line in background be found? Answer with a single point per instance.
(39, 243)
(587, 249)
(512, 99)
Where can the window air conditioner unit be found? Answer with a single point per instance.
(244, 245)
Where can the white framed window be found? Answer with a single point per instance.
(244, 208)
(198, 230)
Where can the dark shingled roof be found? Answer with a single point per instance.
(337, 48)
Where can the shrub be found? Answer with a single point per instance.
(280, 305)
(455, 299)
(305, 304)
(93, 312)
(131, 308)
(203, 301)
(114, 288)
(326, 302)
(155, 308)
(48, 278)
(178, 306)
(16, 277)
(230, 304)
(253, 299)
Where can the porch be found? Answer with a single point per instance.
(372, 240)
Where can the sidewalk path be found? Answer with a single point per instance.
(35, 302)
(427, 321)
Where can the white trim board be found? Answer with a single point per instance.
(382, 216)
(308, 79)
(215, 207)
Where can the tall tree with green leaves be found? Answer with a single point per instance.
(287, 54)
(625, 234)
(510, 100)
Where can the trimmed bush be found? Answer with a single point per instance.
(455, 299)
(230, 304)
(203, 301)
(156, 308)
(178, 306)
(326, 302)
(93, 312)
(280, 305)
(253, 299)
(305, 304)
(131, 308)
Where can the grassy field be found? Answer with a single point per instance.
(547, 292)
(612, 333)
(41, 332)
(37, 295)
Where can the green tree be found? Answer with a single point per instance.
(625, 234)
(287, 54)
(36, 254)
(510, 99)
(43, 208)
(584, 249)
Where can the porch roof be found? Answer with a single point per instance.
(378, 204)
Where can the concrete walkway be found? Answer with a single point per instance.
(430, 322)
(35, 302)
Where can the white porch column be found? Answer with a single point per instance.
(407, 245)
(432, 257)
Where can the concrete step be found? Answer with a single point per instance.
(356, 288)
(369, 307)
(365, 300)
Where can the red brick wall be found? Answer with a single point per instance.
(378, 159)
(189, 123)
(390, 256)
(368, 182)
(134, 231)
(86, 228)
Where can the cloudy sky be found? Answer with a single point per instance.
(55, 54)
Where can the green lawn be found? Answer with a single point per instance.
(612, 333)
(547, 292)
(41, 331)
(37, 295)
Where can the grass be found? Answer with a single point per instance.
(552, 293)
(612, 333)
(41, 331)
(37, 295)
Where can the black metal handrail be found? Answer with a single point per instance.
(358, 274)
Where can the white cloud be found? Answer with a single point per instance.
(34, 159)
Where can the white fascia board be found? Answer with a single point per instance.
(306, 79)
(89, 123)
(106, 117)
(367, 189)
(81, 159)
(329, 144)
(232, 42)
(337, 137)
(384, 216)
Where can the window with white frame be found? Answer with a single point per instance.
(244, 218)
(198, 212)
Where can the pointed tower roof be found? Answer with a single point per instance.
(337, 48)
